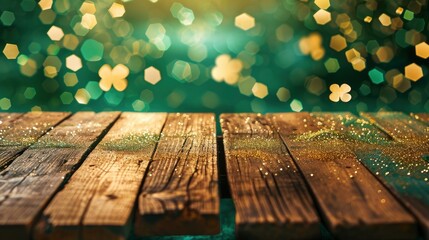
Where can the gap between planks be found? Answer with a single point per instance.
(98, 200)
(268, 191)
(30, 181)
(180, 194)
(353, 203)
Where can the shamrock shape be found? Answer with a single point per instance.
(227, 69)
(116, 77)
(340, 93)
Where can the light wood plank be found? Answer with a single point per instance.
(269, 193)
(8, 117)
(18, 132)
(98, 201)
(354, 204)
(402, 165)
(31, 180)
(180, 193)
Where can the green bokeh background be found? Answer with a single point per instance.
(275, 63)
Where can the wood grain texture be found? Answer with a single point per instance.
(7, 153)
(98, 200)
(180, 193)
(18, 132)
(269, 193)
(30, 181)
(8, 117)
(354, 204)
(403, 165)
(399, 126)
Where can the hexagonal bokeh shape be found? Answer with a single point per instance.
(55, 33)
(413, 72)
(323, 4)
(7, 18)
(155, 30)
(73, 63)
(338, 43)
(244, 21)
(260, 90)
(152, 75)
(117, 10)
(322, 17)
(422, 50)
(11, 51)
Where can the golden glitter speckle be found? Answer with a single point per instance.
(55, 33)
(385, 20)
(244, 21)
(413, 72)
(46, 4)
(260, 90)
(11, 51)
(227, 69)
(322, 17)
(115, 77)
(117, 10)
(152, 75)
(88, 7)
(73, 63)
(340, 93)
(338, 42)
(89, 21)
(323, 4)
(422, 50)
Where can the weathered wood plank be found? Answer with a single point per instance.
(20, 131)
(30, 181)
(98, 201)
(269, 193)
(399, 126)
(180, 193)
(424, 117)
(402, 165)
(8, 117)
(354, 204)
(7, 153)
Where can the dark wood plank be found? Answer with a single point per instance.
(98, 201)
(424, 117)
(18, 132)
(30, 181)
(354, 204)
(402, 165)
(269, 193)
(180, 193)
